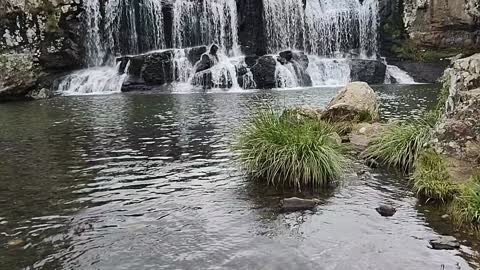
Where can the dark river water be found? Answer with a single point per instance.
(147, 181)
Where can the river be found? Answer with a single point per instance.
(148, 181)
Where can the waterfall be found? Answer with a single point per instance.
(96, 80)
(395, 75)
(325, 71)
(322, 27)
(285, 76)
(95, 50)
(206, 22)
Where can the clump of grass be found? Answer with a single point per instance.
(283, 150)
(465, 209)
(431, 179)
(400, 144)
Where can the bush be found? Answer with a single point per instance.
(400, 144)
(431, 179)
(283, 150)
(466, 207)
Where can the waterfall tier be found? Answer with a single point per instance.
(325, 28)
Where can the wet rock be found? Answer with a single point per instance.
(445, 242)
(19, 75)
(446, 216)
(195, 53)
(209, 79)
(369, 71)
(287, 55)
(356, 102)
(42, 93)
(386, 211)
(264, 72)
(297, 204)
(205, 63)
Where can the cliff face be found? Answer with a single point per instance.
(38, 39)
(51, 30)
(443, 23)
(458, 134)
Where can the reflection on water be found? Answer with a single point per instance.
(147, 181)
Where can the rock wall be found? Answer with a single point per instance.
(443, 23)
(38, 39)
(458, 134)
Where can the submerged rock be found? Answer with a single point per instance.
(386, 211)
(297, 204)
(355, 102)
(445, 242)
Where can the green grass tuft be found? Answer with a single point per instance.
(400, 144)
(465, 209)
(285, 151)
(431, 179)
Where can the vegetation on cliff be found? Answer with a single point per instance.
(431, 179)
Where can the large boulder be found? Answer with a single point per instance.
(264, 72)
(160, 67)
(356, 102)
(369, 71)
(19, 75)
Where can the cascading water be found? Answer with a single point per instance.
(395, 75)
(207, 22)
(285, 76)
(96, 80)
(325, 28)
(325, 71)
(113, 28)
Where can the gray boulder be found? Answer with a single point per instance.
(355, 102)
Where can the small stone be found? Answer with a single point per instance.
(445, 242)
(297, 204)
(16, 242)
(446, 216)
(386, 211)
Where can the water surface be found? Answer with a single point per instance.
(147, 181)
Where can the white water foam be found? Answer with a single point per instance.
(93, 81)
(394, 74)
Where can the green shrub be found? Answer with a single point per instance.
(431, 179)
(465, 208)
(400, 144)
(283, 150)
